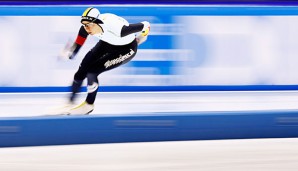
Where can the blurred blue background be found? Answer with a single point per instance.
(189, 45)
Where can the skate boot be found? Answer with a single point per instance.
(82, 109)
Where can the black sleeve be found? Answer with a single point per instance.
(131, 28)
(83, 32)
(76, 48)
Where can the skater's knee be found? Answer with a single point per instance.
(79, 76)
(92, 78)
(92, 82)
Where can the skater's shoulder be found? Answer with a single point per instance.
(105, 16)
(109, 17)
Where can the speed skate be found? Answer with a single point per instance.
(70, 109)
(82, 109)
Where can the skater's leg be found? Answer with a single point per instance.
(81, 74)
(92, 87)
(87, 106)
(75, 88)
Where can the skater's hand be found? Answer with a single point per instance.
(140, 38)
(68, 51)
(146, 28)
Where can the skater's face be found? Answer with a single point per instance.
(91, 28)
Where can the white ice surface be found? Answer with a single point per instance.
(223, 155)
(34, 104)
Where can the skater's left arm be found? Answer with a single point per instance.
(143, 27)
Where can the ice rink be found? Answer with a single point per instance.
(224, 155)
(209, 155)
(108, 103)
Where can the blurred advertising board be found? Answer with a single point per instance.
(188, 45)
